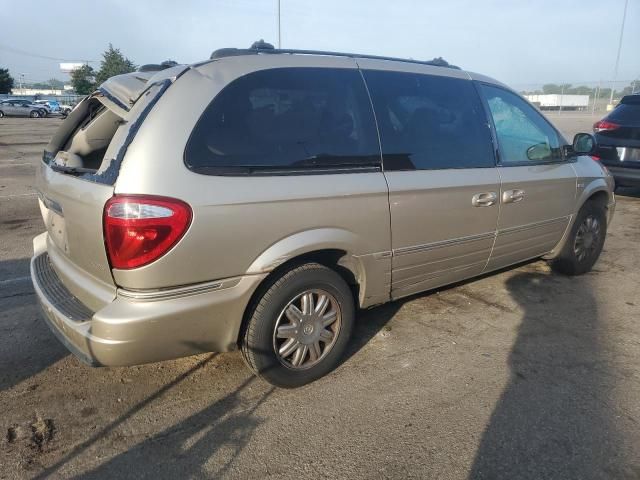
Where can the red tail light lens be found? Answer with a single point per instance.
(603, 126)
(139, 229)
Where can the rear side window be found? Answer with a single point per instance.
(429, 122)
(286, 120)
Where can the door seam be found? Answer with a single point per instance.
(495, 232)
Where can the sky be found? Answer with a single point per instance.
(522, 43)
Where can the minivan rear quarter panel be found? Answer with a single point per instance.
(237, 219)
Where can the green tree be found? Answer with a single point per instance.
(83, 80)
(633, 87)
(6, 81)
(113, 63)
(56, 84)
(551, 88)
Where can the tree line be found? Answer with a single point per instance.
(569, 89)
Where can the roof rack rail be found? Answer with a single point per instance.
(156, 67)
(266, 48)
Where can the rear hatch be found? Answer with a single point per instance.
(618, 134)
(77, 176)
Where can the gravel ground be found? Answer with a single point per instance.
(520, 374)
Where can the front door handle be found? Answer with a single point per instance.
(485, 199)
(512, 196)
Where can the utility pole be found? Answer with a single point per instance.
(561, 98)
(615, 70)
(595, 99)
(279, 36)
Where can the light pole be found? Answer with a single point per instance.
(21, 83)
(279, 37)
(615, 70)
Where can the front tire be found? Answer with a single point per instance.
(585, 242)
(299, 326)
(34, 114)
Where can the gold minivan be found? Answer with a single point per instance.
(258, 199)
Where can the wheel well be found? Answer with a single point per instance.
(601, 198)
(330, 258)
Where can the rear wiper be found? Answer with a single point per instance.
(66, 169)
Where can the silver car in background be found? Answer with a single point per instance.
(258, 199)
(15, 107)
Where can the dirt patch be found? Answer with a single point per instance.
(14, 224)
(36, 435)
(42, 431)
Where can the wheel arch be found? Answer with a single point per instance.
(332, 247)
(597, 191)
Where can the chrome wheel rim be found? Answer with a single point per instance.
(587, 238)
(307, 329)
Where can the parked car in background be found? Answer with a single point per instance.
(44, 109)
(296, 188)
(618, 138)
(66, 109)
(51, 105)
(21, 108)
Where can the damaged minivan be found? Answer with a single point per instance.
(258, 199)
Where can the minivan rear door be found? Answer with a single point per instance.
(439, 164)
(76, 178)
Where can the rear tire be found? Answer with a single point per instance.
(299, 326)
(585, 241)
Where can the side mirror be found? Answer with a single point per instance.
(584, 144)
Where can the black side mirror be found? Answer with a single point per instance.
(584, 144)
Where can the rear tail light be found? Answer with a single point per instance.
(595, 157)
(139, 229)
(603, 126)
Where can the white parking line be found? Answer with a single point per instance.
(18, 195)
(15, 280)
(14, 164)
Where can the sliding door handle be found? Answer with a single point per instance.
(512, 196)
(485, 199)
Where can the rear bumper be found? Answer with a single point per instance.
(143, 327)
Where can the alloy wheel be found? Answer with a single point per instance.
(587, 238)
(307, 329)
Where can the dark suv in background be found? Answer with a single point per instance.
(618, 137)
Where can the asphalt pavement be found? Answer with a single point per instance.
(519, 374)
